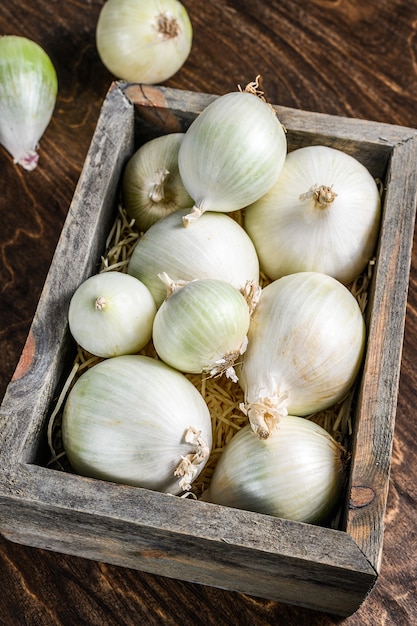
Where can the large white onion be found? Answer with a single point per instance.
(306, 342)
(134, 420)
(143, 41)
(215, 247)
(232, 154)
(321, 215)
(297, 473)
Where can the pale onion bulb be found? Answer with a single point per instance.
(202, 327)
(152, 185)
(143, 41)
(111, 314)
(134, 420)
(306, 342)
(321, 215)
(298, 473)
(28, 91)
(216, 247)
(232, 154)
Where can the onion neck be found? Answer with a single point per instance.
(100, 303)
(196, 212)
(167, 26)
(29, 160)
(323, 196)
(189, 465)
(265, 413)
(226, 364)
(157, 188)
(171, 285)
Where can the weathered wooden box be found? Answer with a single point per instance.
(325, 569)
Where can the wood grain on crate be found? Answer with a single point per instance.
(316, 567)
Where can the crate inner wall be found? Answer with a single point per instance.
(145, 129)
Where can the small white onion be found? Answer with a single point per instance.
(306, 342)
(232, 154)
(28, 91)
(152, 185)
(321, 215)
(143, 41)
(202, 327)
(216, 247)
(297, 473)
(134, 420)
(111, 314)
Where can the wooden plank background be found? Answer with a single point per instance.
(341, 57)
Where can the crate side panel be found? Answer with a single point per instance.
(194, 541)
(170, 110)
(380, 381)
(78, 251)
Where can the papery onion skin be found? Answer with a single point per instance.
(215, 247)
(202, 327)
(298, 473)
(232, 154)
(292, 233)
(143, 41)
(28, 92)
(126, 419)
(306, 344)
(111, 314)
(152, 185)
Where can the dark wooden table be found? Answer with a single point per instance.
(344, 57)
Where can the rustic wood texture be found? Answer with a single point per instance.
(334, 57)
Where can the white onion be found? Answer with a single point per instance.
(152, 186)
(134, 420)
(143, 41)
(28, 91)
(293, 231)
(306, 342)
(297, 473)
(215, 247)
(232, 154)
(202, 327)
(111, 314)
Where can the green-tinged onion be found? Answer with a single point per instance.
(321, 215)
(202, 327)
(306, 342)
(152, 186)
(111, 314)
(216, 247)
(143, 41)
(28, 91)
(134, 420)
(297, 473)
(232, 154)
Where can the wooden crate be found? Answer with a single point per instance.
(321, 568)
